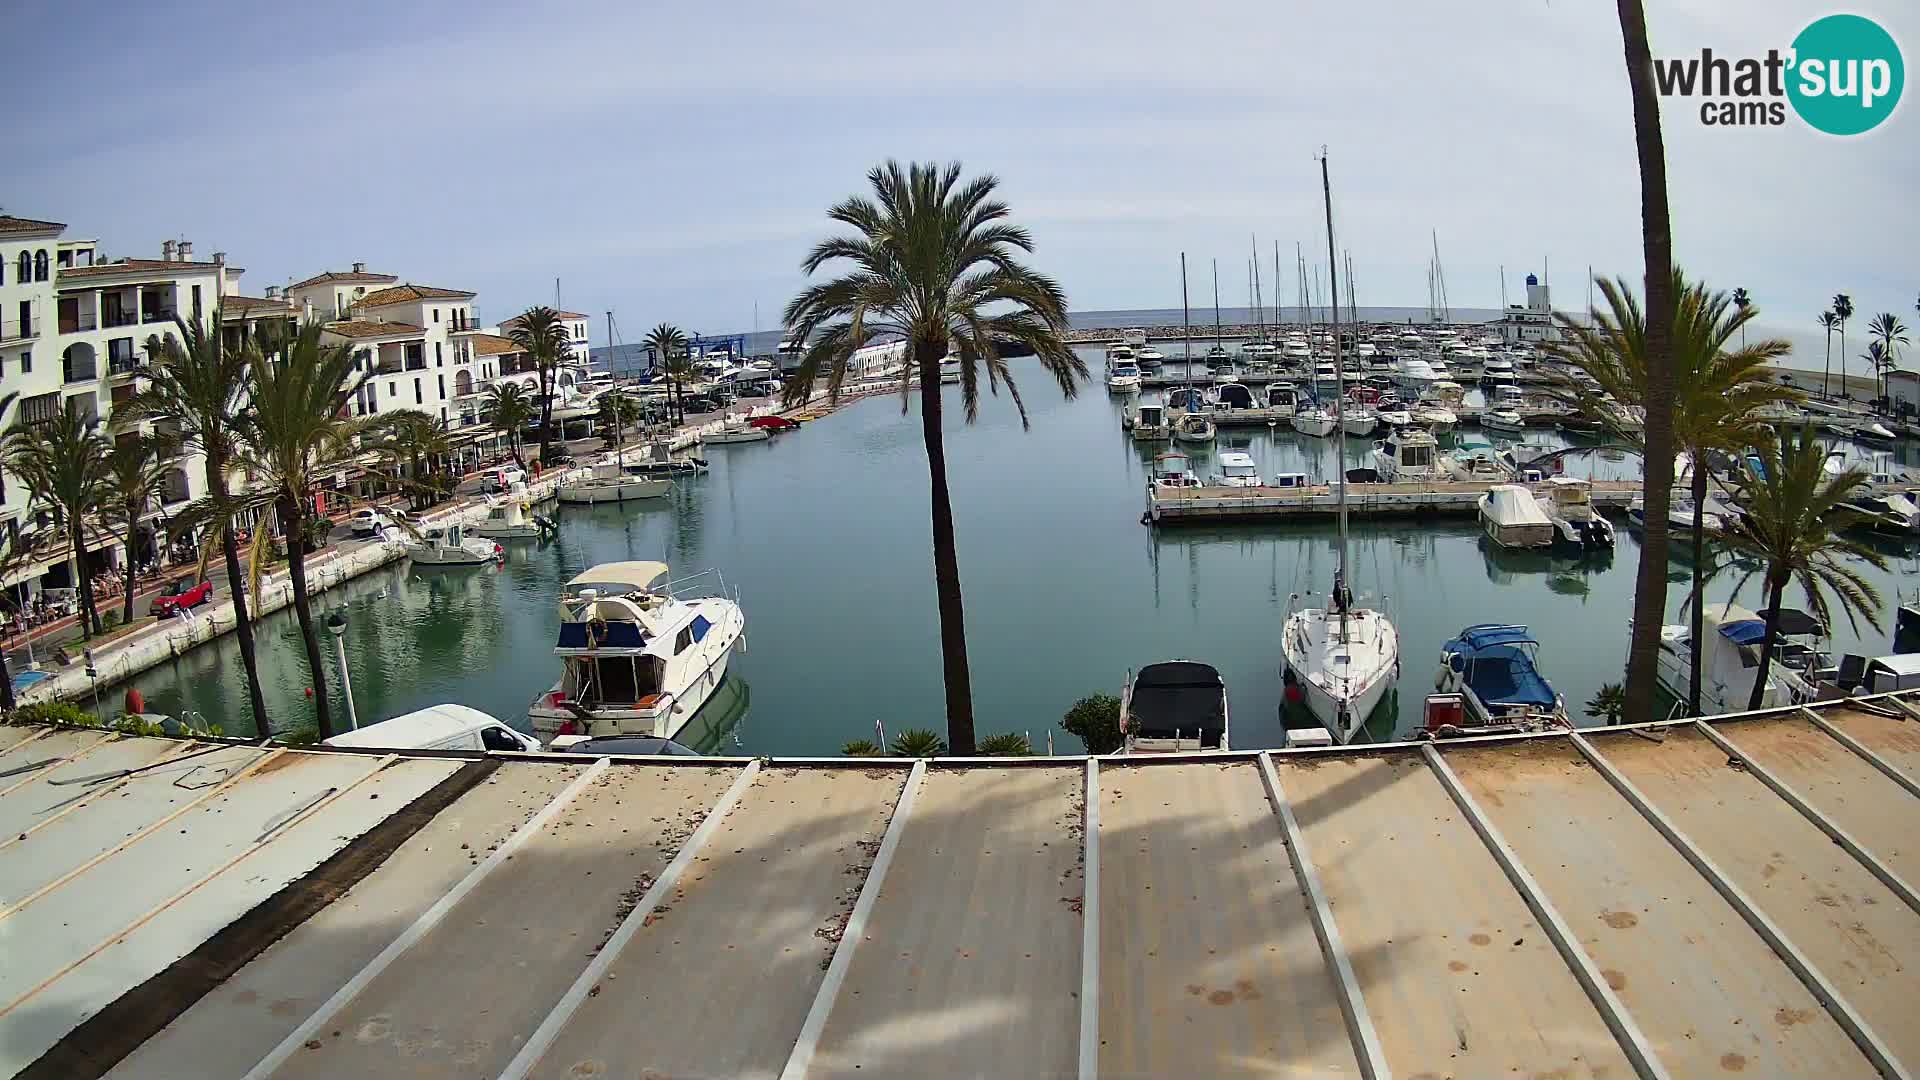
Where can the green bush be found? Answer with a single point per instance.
(919, 742)
(1096, 720)
(1009, 744)
(1609, 703)
(862, 748)
(54, 712)
(303, 733)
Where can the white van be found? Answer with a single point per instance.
(438, 727)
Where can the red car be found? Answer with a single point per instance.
(180, 595)
(773, 423)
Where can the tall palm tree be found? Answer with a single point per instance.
(933, 264)
(1793, 525)
(196, 392)
(1656, 244)
(1843, 310)
(295, 436)
(510, 412)
(135, 480)
(1890, 333)
(1741, 301)
(1828, 322)
(415, 439)
(542, 334)
(12, 559)
(665, 341)
(63, 462)
(679, 370)
(1718, 393)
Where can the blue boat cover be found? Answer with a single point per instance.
(1744, 632)
(1485, 634)
(1498, 666)
(617, 635)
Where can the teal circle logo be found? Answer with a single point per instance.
(1847, 75)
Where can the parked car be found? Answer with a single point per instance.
(181, 594)
(368, 522)
(502, 478)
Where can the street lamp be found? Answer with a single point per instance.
(337, 626)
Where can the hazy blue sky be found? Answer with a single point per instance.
(673, 161)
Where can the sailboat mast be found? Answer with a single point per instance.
(1186, 332)
(1259, 300)
(619, 440)
(1277, 318)
(1216, 303)
(1340, 585)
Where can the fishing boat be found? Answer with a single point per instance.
(1175, 706)
(451, 546)
(1150, 424)
(511, 518)
(609, 483)
(1512, 518)
(1340, 658)
(1493, 669)
(1237, 469)
(736, 431)
(1409, 455)
(1730, 660)
(1577, 524)
(636, 659)
(1194, 427)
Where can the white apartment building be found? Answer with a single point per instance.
(416, 340)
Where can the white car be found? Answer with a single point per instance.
(368, 522)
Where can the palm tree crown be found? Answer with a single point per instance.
(63, 462)
(508, 409)
(136, 480)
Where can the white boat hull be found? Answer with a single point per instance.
(665, 723)
(505, 532)
(1319, 426)
(1341, 696)
(1363, 425)
(1124, 384)
(595, 492)
(471, 553)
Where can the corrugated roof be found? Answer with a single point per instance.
(360, 328)
(1675, 899)
(348, 276)
(402, 294)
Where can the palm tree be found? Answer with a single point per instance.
(196, 392)
(1843, 310)
(1717, 394)
(542, 335)
(510, 412)
(136, 477)
(295, 436)
(933, 265)
(1793, 525)
(1828, 322)
(415, 439)
(679, 370)
(1740, 303)
(618, 411)
(63, 462)
(1656, 244)
(1890, 333)
(669, 347)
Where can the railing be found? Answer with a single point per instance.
(122, 365)
(74, 373)
(120, 318)
(387, 368)
(19, 329)
(74, 324)
(417, 365)
(164, 315)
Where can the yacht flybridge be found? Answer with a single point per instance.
(636, 659)
(1339, 658)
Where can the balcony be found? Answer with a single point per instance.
(157, 315)
(76, 322)
(119, 318)
(19, 329)
(119, 366)
(387, 367)
(416, 364)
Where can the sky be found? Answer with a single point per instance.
(674, 162)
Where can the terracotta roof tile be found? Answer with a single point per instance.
(492, 345)
(11, 224)
(402, 294)
(343, 275)
(360, 328)
(247, 307)
(136, 266)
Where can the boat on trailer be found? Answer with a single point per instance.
(1174, 707)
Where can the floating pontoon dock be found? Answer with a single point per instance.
(1186, 506)
(1675, 899)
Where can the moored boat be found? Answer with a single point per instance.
(451, 546)
(612, 484)
(1492, 668)
(1175, 706)
(1511, 517)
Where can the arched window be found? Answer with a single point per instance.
(40, 265)
(26, 267)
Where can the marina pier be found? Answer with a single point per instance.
(1184, 506)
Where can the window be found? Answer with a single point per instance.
(498, 739)
(196, 301)
(441, 381)
(438, 361)
(363, 359)
(436, 314)
(699, 627)
(418, 397)
(684, 639)
(393, 389)
(26, 268)
(26, 363)
(64, 259)
(40, 265)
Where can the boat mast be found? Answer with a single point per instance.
(1216, 304)
(619, 441)
(1186, 332)
(1340, 587)
(1259, 300)
(1277, 318)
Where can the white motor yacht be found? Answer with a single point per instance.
(1123, 377)
(1503, 420)
(1512, 518)
(509, 517)
(1176, 706)
(1714, 517)
(1238, 470)
(1193, 427)
(636, 659)
(736, 431)
(612, 484)
(1434, 416)
(1150, 424)
(1734, 637)
(1324, 376)
(1480, 463)
(1408, 456)
(451, 546)
(1149, 357)
(1568, 503)
(1170, 470)
(1281, 399)
(950, 370)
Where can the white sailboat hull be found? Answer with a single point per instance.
(594, 492)
(1314, 424)
(1341, 694)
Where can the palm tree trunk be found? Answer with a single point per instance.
(946, 560)
(7, 703)
(1843, 359)
(1826, 376)
(1699, 581)
(133, 522)
(83, 578)
(1775, 587)
(546, 411)
(242, 626)
(293, 513)
(1656, 239)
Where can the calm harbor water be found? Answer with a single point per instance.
(824, 533)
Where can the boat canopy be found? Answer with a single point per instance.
(636, 575)
(1234, 395)
(1511, 504)
(1745, 632)
(1495, 661)
(612, 634)
(1183, 697)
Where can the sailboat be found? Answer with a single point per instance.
(1341, 657)
(1192, 425)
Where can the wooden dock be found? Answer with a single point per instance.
(1184, 506)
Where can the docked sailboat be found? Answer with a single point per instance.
(1194, 427)
(609, 483)
(1493, 669)
(636, 659)
(1342, 657)
(1189, 426)
(1315, 420)
(1176, 706)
